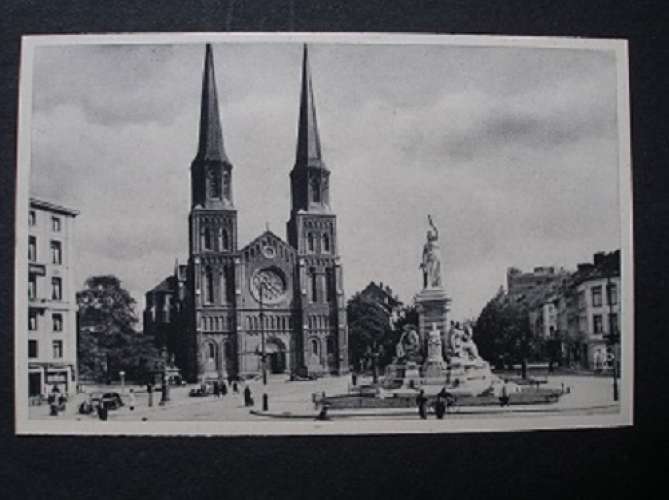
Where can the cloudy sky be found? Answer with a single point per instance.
(514, 151)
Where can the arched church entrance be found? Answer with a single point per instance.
(276, 355)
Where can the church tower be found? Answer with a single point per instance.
(212, 243)
(312, 232)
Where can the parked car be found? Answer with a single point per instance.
(201, 390)
(110, 400)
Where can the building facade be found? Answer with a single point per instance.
(283, 300)
(597, 290)
(579, 311)
(384, 297)
(52, 307)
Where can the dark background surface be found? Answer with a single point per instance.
(566, 464)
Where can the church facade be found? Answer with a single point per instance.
(229, 305)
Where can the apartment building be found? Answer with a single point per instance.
(52, 307)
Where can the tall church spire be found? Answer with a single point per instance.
(210, 146)
(308, 141)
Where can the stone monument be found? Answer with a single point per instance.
(432, 301)
(436, 357)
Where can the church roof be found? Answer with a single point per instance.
(268, 236)
(167, 285)
(210, 146)
(308, 141)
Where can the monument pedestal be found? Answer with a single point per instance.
(432, 307)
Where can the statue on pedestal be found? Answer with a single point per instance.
(431, 264)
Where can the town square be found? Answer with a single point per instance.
(445, 255)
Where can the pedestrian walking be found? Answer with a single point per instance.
(131, 400)
(235, 387)
(62, 400)
(504, 398)
(217, 389)
(440, 405)
(53, 407)
(421, 402)
(248, 397)
(224, 388)
(323, 414)
(102, 411)
(149, 389)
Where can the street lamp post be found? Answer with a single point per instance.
(613, 338)
(165, 391)
(121, 374)
(262, 347)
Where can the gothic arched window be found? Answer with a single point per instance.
(314, 287)
(310, 242)
(314, 347)
(209, 285)
(214, 181)
(329, 285)
(225, 240)
(326, 242)
(316, 190)
(226, 184)
(206, 238)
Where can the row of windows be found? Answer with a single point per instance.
(216, 242)
(598, 323)
(55, 221)
(56, 288)
(318, 224)
(279, 250)
(315, 291)
(56, 349)
(316, 345)
(217, 323)
(56, 321)
(325, 242)
(316, 322)
(210, 287)
(596, 296)
(212, 351)
(271, 322)
(55, 250)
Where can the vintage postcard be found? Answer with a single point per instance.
(253, 234)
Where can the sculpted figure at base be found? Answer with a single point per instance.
(434, 345)
(431, 264)
(469, 348)
(407, 348)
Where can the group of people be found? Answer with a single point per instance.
(57, 401)
(220, 389)
(442, 402)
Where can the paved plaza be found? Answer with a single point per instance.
(588, 395)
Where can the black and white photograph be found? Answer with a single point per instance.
(259, 234)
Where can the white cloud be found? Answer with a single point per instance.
(513, 151)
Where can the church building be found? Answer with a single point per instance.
(228, 305)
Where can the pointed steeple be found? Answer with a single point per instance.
(308, 141)
(210, 146)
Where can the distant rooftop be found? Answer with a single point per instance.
(52, 207)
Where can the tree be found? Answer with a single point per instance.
(370, 335)
(502, 332)
(108, 341)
